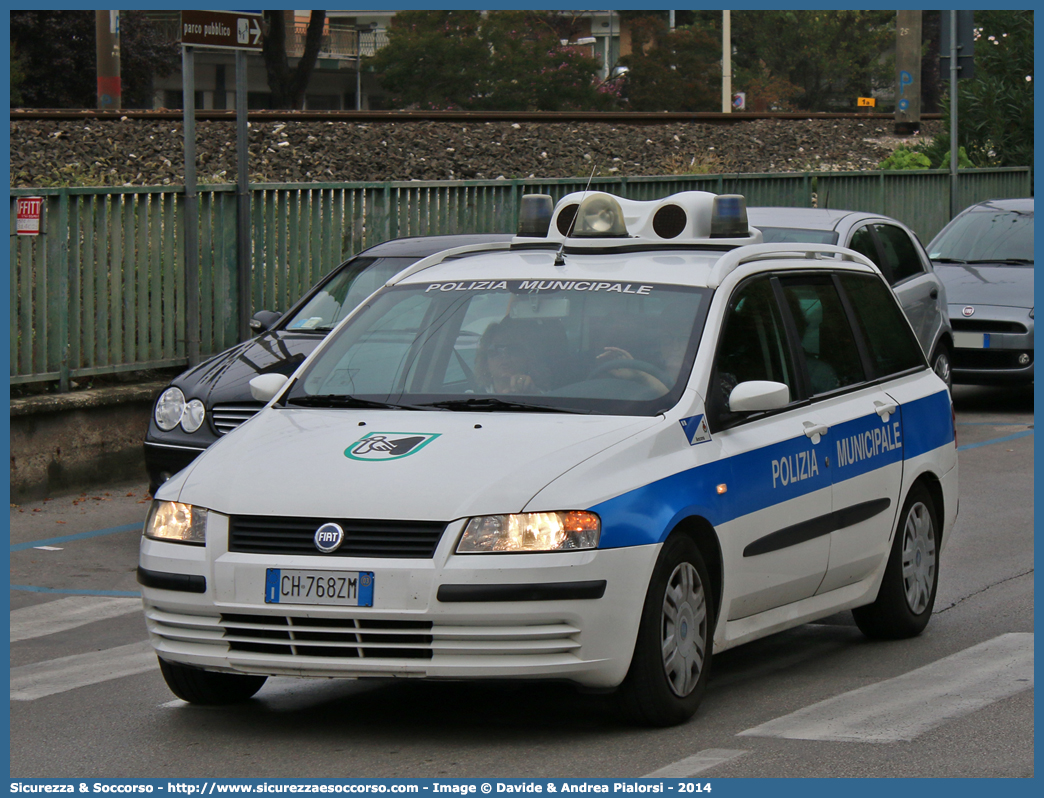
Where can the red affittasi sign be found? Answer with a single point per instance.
(28, 221)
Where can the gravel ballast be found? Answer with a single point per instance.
(134, 152)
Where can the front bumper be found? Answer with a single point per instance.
(989, 345)
(568, 615)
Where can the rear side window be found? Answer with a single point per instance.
(863, 243)
(890, 341)
(899, 252)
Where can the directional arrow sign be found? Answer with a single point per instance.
(226, 30)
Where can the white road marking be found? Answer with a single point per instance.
(48, 548)
(29, 682)
(697, 763)
(67, 613)
(902, 708)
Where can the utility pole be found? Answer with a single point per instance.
(726, 62)
(107, 49)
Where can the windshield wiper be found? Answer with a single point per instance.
(948, 260)
(1012, 261)
(344, 400)
(491, 404)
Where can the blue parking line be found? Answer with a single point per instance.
(1016, 436)
(34, 589)
(993, 424)
(78, 536)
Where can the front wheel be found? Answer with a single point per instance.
(941, 365)
(907, 596)
(198, 686)
(672, 656)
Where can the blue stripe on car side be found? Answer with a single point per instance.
(774, 474)
(927, 424)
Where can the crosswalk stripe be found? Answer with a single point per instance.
(29, 682)
(68, 613)
(902, 708)
(697, 763)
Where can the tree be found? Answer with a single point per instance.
(288, 85)
(17, 77)
(507, 60)
(57, 57)
(433, 59)
(995, 108)
(830, 56)
(677, 70)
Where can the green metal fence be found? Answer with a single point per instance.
(102, 290)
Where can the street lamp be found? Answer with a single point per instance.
(370, 27)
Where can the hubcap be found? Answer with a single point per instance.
(918, 558)
(942, 368)
(683, 631)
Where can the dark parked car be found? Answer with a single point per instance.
(891, 245)
(985, 259)
(213, 398)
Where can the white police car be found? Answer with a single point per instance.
(599, 452)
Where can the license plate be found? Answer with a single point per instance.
(342, 588)
(962, 340)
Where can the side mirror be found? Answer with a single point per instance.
(264, 387)
(756, 396)
(263, 320)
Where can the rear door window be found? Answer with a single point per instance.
(899, 253)
(891, 344)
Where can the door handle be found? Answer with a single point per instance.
(934, 293)
(885, 410)
(815, 431)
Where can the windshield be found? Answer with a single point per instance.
(359, 278)
(987, 236)
(797, 235)
(513, 345)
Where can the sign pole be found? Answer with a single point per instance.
(243, 248)
(953, 113)
(219, 30)
(191, 221)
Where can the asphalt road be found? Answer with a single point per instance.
(818, 701)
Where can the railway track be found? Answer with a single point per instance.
(474, 117)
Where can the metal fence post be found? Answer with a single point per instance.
(59, 243)
(188, 72)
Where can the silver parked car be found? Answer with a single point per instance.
(985, 259)
(891, 245)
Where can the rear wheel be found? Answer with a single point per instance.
(198, 686)
(907, 596)
(672, 655)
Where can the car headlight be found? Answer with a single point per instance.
(177, 523)
(570, 530)
(169, 409)
(192, 417)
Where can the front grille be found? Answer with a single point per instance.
(327, 637)
(1000, 359)
(263, 534)
(987, 326)
(336, 636)
(227, 417)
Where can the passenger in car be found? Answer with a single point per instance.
(521, 356)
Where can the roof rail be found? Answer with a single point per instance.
(735, 258)
(447, 254)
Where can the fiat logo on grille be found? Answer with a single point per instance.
(968, 311)
(329, 537)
